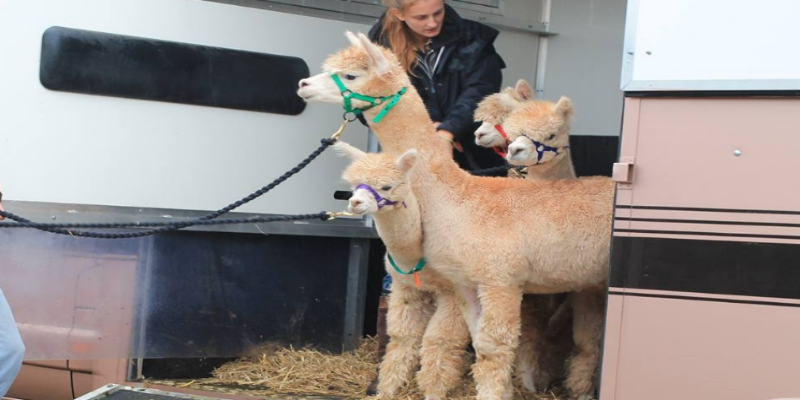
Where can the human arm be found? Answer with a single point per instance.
(483, 78)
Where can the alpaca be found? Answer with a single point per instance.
(539, 136)
(493, 110)
(537, 236)
(380, 188)
(425, 321)
(543, 346)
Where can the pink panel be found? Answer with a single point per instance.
(685, 153)
(684, 349)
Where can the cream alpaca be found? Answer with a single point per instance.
(541, 361)
(423, 322)
(537, 236)
(494, 109)
(375, 177)
(539, 135)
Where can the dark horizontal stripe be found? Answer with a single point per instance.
(715, 93)
(697, 221)
(706, 266)
(105, 64)
(695, 233)
(725, 210)
(695, 298)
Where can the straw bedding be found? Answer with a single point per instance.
(306, 373)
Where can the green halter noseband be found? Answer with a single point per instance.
(373, 101)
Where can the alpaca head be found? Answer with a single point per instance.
(375, 177)
(538, 131)
(493, 111)
(363, 68)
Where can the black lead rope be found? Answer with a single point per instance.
(61, 228)
(494, 170)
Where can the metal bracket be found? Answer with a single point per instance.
(623, 170)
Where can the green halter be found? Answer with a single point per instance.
(373, 101)
(419, 267)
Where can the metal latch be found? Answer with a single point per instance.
(623, 170)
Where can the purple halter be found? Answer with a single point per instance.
(382, 202)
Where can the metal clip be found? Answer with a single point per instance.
(338, 134)
(334, 215)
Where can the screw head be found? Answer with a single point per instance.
(737, 152)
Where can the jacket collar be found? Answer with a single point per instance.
(452, 30)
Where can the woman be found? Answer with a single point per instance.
(11, 348)
(453, 65)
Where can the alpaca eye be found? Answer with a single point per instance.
(349, 77)
(553, 136)
(386, 188)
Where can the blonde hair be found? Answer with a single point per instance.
(398, 34)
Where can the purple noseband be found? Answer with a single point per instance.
(382, 202)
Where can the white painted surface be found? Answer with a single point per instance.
(81, 149)
(713, 44)
(584, 62)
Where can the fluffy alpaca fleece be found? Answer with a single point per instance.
(439, 340)
(423, 323)
(549, 123)
(543, 350)
(493, 238)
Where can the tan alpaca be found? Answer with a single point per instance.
(423, 322)
(539, 136)
(494, 109)
(536, 236)
(543, 346)
(442, 340)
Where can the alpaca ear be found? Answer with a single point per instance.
(509, 99)
(352, 38)
(523, 90)
(564, 108)
(376, 57)
(344, 149)
(407, 160)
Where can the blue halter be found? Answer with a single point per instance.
(542, 148)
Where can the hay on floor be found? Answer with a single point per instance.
(310, 373)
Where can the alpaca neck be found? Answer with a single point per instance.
(561, 168)
(406, 126)
(401, 231)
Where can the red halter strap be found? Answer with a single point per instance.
(499, 150)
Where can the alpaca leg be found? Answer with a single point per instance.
(587, 332)
(470, 305)
(443, 349)
(557, 343)
(496, 340)
(533, 322)
(409, 312)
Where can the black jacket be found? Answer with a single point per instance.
(469, 69)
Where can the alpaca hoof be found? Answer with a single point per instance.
(372, 389)
(529, 383)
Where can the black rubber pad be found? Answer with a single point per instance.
(124, 66)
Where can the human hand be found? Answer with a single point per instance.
(446, 135)
(436, 125)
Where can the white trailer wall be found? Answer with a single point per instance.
(584, 62)
(70, 148)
